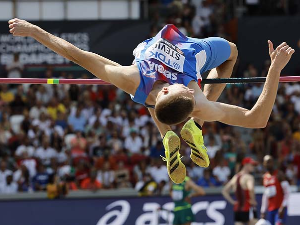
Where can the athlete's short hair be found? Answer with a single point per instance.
(174, 110)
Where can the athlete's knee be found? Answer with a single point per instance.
(233, 51)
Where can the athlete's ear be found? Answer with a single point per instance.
(191, 91)
(165, 90)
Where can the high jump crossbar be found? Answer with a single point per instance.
(101, 82)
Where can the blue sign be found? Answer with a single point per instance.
(209, 210)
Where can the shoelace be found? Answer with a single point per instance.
(165, 159)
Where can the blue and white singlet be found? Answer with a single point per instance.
(172, 57)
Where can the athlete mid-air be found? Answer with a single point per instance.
(165, 76)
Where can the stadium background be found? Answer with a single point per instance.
(67, 134)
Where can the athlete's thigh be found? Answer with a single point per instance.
(218, 50)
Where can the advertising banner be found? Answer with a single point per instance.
(209, 210)
(112, 39)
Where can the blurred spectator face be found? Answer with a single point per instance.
(206, 174)
(211, 140)
(3, 166)
(78, 112)
(106, 166)
(41, 168)
(16, 57)
(45, 143)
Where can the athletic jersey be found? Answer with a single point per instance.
(179, 193)
(171, 57)
(242, 196)
(274, 190)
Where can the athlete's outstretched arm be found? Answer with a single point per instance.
(101, 67)
(259, 115)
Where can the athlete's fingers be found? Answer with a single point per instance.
(289, 49)
(11, 25)
(12, 30)
(271, 47)
(283, 49)
(291, 52)
(280, 46)
(12, 20)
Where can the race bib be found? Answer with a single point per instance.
(167, 53)
(177, 195)
(271, 191)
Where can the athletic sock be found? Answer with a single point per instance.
(198, 125)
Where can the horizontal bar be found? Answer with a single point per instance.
(101, 82)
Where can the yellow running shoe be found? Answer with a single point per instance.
(192, 135)
(176, 169)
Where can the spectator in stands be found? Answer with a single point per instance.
(41, 179)
(54, 107)
(133, 143)
(45, 153)
(212, 147)
(25, 147)
(77, 121)
(15, 69)
(122, 176)
(147, 186)
(6, 95)
(37, 110)
(222, 172)
(160, 175)
(207, 180)
(106, 176)
(91, 183)
(157, 151)
(4, 172)
(82, 172)
(10, 186)
(195, 172)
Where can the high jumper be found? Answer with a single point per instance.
(165, 78)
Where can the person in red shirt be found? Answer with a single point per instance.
(275, 197)
(243, 185)
(91, 182)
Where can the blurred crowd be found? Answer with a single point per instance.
(71, 137)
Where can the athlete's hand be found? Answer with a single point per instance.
(19, 27)
(281, 55)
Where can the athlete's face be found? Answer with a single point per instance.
(176, 89)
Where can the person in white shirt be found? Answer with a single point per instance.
(159, 172)
(30, 164)
(15, 69)
(133, 143)
(36, 110)
(45, 152)
(222, 172)
(10, 186)
(25, 147)
(212, 147)
(4, 172)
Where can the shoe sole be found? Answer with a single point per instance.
(176, 171)
(196, 155)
